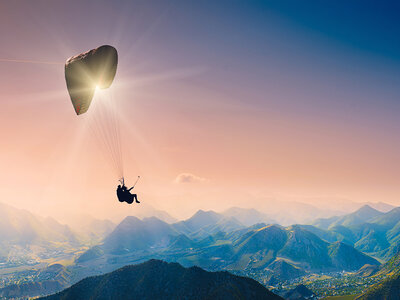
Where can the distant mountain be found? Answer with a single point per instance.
(284, 253)
(147, 211)
(360, 216)
(22, 231)
(389, 219)
(263, 243)
(156, 279)
(163, 216)
(47, 281)
(338, 233)
(22, 227)
(367, 229)
(248, 216)
(307, 248)
(370, 238)
(135, 234)
(91, 229)
(294, 212)
(228, 224)
(141, 238)
(90, 254)
(348, 258)
(300, 292)
(198, 221)
(181, 242)
(272, 237)
(381, 206)
(204, 223)
(259, 248)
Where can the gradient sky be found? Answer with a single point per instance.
(256, 99)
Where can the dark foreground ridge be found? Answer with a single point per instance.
(157, 279)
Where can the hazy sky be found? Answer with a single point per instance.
(254, 99)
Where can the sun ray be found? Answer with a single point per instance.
(29, 61)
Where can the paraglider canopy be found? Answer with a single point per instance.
(86, 71)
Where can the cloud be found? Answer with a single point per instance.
(188, 178)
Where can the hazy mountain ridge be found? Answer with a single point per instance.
(269, 247)
(47, 281)
(25, 237)
(366, 229)
(360, 216)
(249, 216)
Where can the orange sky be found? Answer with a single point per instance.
(245, 130)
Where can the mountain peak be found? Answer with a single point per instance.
(153, 219)
(203, 218)
(138, 281)
(129, 221)
(367, 208)
(366, 212)
(201, 212)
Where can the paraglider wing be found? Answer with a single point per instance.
(87, 70)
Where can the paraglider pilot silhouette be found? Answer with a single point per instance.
(124, 194)
(84, 74)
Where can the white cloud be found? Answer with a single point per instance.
(188, 178)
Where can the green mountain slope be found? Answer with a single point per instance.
(283, 271)
(389, 289)
(346, 257)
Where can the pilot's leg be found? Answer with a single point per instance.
(135, 197)
(129, 200)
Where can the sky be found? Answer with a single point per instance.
(220, 103)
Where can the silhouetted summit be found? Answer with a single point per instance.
(157, 279)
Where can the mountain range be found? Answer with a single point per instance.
(28, 239)
(367, 229)
(48, 280)
(234, 240)
(283, 253)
